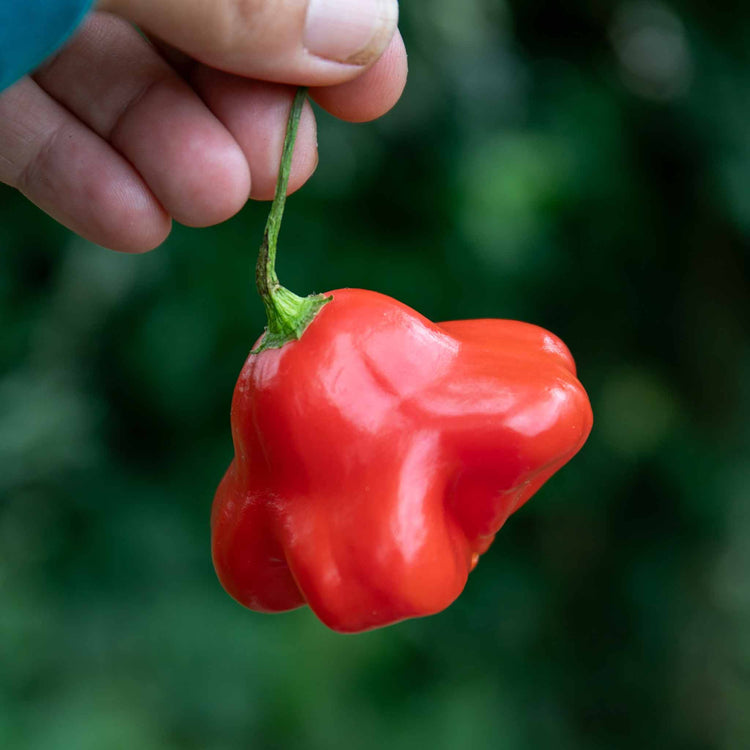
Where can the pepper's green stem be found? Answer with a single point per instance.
(288, 314)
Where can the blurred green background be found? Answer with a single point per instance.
(584, 166)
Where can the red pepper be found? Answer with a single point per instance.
(377, 454)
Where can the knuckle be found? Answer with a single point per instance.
(246, 27)
(33, 171)
(248, 12)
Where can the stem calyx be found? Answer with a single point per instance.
(288, 314)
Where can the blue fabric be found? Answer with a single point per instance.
(31, 30)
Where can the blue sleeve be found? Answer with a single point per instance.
(31, 30)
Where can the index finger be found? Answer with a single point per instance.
(373, 93)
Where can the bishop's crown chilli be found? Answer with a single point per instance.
(377, 454)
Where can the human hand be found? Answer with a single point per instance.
(116, 136)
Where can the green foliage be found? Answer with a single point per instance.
(583, 166)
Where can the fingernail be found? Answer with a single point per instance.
(350, 31)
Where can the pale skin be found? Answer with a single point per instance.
(116, 136)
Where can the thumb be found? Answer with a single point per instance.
(304, 42)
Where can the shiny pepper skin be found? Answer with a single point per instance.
(377, 457)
